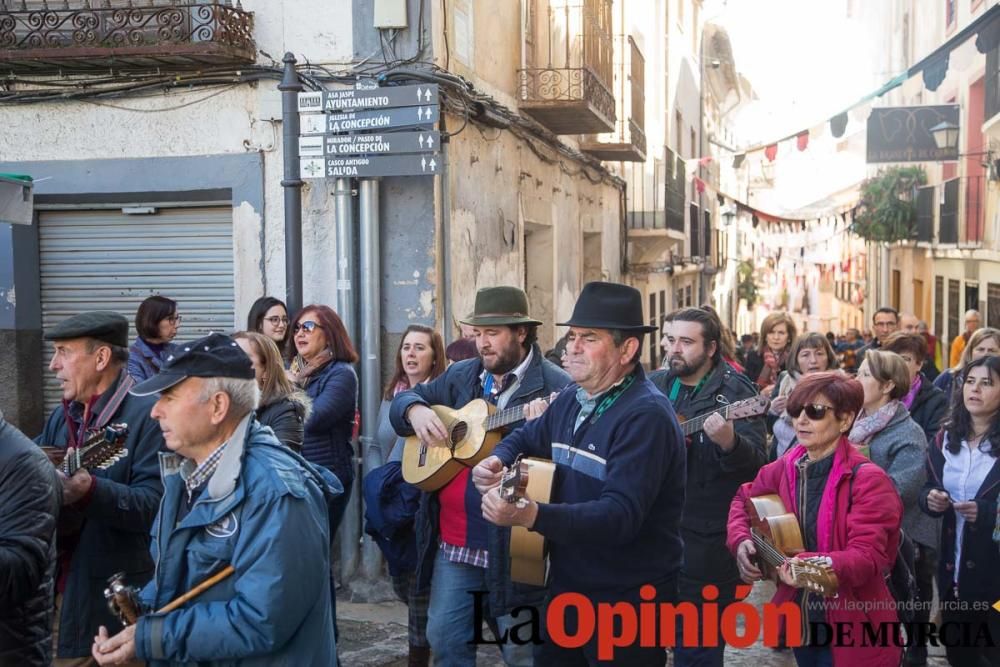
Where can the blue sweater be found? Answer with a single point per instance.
(614, 523)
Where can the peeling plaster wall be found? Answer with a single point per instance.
(499, 191)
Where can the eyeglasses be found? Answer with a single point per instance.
(308, 325)
(275, 320)
(174, 319)
(814, 411)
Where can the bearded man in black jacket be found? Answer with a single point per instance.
(720, 457)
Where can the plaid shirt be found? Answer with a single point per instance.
(204, 471)
(474, 557)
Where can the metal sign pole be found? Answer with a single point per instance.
(290, 88)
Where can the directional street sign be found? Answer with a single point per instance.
(369, 144)
(350, 99)
(368, 121)
(426, 164)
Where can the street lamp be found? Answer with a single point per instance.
(945, 135)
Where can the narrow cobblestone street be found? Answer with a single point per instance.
(374, 635)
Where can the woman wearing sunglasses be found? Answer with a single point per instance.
(323, 367)
(283, 407)
(156, 322)
(848, 511)
(268, 316)
(963, 481)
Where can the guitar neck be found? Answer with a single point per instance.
(694, 425)
(504, 417)
(78, 460)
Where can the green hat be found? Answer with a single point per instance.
(103, 325)
(500, 305)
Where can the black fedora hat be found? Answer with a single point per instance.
(500, 305)
(609, 306)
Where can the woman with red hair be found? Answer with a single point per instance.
(848, 511)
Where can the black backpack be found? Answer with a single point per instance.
(901, 580)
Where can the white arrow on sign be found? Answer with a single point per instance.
(433, 164)
(430, 142)
(427, 95)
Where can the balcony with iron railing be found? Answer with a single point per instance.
(42, 36)
(567, 65)
(628, 142)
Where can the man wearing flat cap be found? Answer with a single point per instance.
(613, 524)
(457, 550)
(233, 496)
(106, 515)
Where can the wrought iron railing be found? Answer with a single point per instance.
(630, 102)
(572, 55)
(54, 31)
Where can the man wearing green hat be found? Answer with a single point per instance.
(106, 514)
(457, 550)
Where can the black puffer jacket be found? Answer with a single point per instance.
(287, 417)
(928, 408)
(30, 497)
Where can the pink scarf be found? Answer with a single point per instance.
(912, 394)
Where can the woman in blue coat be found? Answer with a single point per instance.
(156, 322)
(323, 367)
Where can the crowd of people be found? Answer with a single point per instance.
(220, 492)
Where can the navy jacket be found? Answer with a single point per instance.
(714, 476)
(928, 408)
(30, 498)
(265, 511)
(115, 533)
(390, 507)
(143, 363)
(614, 522)
(334, 393)
(977, 574)
(456, 387)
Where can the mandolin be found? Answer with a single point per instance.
(100, 451)
(777, 538)
(528, 478)
(473, 432)
(748, 407)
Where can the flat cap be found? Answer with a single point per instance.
(104, 325)
(215, 355)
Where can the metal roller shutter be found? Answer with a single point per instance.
(106, 260)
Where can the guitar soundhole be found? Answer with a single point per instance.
(458, 433)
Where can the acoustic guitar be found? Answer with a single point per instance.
(100, 451)
(748, 407)
(473, 432)
(528, 478)
(777, 538)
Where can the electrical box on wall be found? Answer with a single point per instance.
(390, 14)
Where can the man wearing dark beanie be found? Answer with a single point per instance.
(106, 515)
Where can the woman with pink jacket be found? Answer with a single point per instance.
(848, 511)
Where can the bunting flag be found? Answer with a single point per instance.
(931, 71)
(802, 140)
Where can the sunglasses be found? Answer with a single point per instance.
(308, 325)
(814, 411)
(275, 320)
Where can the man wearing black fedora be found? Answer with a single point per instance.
(458, 551)
(613, 525)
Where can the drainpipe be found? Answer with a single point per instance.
(290, 88)
(444, 211)
(344, 217)
(371, 370)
